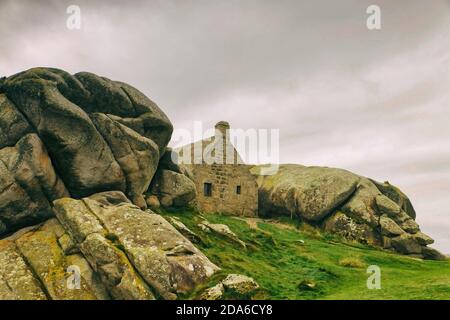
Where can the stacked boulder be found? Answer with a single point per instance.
(344, 203)
(75, 135)
(78, 154)
(173, 184)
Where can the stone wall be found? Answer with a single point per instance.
(216, 161)
(224, 180)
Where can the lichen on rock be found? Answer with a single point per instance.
(346, 204)
(234, 286)
(165, 260)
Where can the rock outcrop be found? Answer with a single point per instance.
(35, 266)
(173, 184)
(310, 192)
(28, 184)
(116, 250)
(185, 231)
(344, 203)
(222, 230)
(234, 286)
(76, 135)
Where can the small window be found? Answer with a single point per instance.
(207, 189)
(238, 189)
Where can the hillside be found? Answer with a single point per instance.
(278, 260)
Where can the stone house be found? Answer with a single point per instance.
(224, 183)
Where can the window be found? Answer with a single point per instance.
(238, 189)
(207, 189)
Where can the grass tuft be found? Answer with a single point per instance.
(352, 262)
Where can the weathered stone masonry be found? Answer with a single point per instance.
(223, 186)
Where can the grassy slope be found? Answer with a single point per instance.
(279, 262)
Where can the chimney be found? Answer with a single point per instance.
(222, 135)
(222, 128)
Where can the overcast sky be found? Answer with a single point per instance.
(373, 102)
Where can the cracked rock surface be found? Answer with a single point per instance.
(73, 135)
(347, 204)
(118, 250)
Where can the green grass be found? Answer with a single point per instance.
(278, 260)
